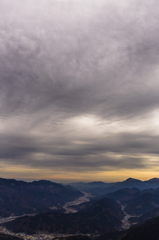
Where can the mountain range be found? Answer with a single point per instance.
(136, 201)
(19, 197)
(103, 215)
(100, 188)
(147, 231)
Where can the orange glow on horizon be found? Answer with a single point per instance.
(22, 172)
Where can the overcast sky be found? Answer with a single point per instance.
(79, 89)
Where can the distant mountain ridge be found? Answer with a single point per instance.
(100, 188)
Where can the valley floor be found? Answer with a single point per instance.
(126, 224)
(41, 236)
(69, 209)
(78, 201)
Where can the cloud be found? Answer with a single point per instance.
(70, 60)
(118, 151)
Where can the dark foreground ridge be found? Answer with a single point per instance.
(8, 237)
(78, 237)
(103, 216)
(147, 231)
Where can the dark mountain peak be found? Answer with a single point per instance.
(98, 182)
(132, 180)
(11, 182)
(47, 184)
(43, 182)
(153, 180)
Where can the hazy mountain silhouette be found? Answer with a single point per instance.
(19, 197)
(101, 188)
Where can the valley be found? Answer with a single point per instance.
(78, 214)
(69, 205)
(126, 224)
(45, 236)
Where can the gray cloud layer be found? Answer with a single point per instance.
(61, 60)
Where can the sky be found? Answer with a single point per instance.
(79, 90)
